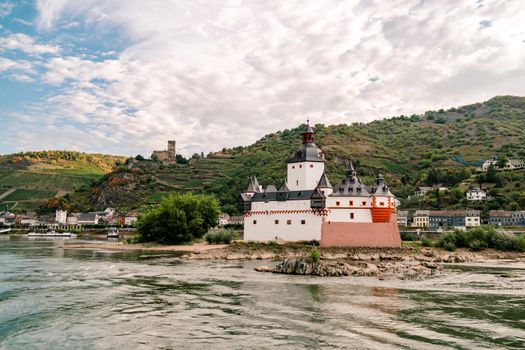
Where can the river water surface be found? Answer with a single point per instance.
(54, 298)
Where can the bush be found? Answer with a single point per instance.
(426, 242)
(481, 238)
(221, 236)
(477, 245)
(408, 236)
(518, 243)
(180, 218)
(315, 256)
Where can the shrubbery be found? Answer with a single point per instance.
(314, 256)
(221, 236)
(180, 218)
(481, 238)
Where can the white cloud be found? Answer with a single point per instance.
(27, 44)
(214, 74)
(6, 8)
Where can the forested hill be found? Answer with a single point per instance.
(437, 146)
(28, 180)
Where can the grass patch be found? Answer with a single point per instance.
(221, 236)
(28, 194)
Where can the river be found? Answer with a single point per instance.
(55, 298)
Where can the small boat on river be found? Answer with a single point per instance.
(51, 234)
(113, 233)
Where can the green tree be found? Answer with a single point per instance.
(501, 162)
(155, 157)
(139, 157)
(180, 218)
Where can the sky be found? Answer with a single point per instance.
(124, 76)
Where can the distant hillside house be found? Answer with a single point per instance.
(88, 219)
(454, 218)
(519, 218)
(501, 218)
(168, 155)
(512, 164)
(477, 194)
(402, 218)
(420, 218)
(421, 191)
(506, 218)
(72, 219)
(61, 216)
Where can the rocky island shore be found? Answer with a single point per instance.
(407, 262)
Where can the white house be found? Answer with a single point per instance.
(512, 164)
(421, 218)
(306, 207)
(476, 194)
(61, 216)
(472, 218)
(402, 218)
(130, 219)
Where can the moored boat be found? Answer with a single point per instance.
(51, 234)
(113, 233)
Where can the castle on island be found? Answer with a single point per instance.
(307, 207)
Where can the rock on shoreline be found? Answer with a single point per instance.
(402, 270)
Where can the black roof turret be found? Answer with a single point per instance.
(308, 152)
(324, 182)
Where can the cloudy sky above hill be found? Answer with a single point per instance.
(124, 76)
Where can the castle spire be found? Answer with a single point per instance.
(308, 134)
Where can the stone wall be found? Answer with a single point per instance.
(360, 234)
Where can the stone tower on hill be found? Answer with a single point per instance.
(168, 155)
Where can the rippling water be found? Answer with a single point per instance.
(51, 298)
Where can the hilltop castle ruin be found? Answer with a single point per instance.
(166, 155)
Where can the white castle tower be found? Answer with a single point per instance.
(306, 166)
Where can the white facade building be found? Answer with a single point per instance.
(512, 164)
(306, 207)
(472, 218)
(61, 216)
(421, 218)
(402, 218)
(476, 194)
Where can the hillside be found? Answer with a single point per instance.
(28, 180)
(444, 146)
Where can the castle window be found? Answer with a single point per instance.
(363, 203)
(288, 222)
(300, 166)
(303, 222)
(351, 203)
(277, 222)
(381, 203)
(337, 203)
(311, 165)
(297, 182)
(255, 222)
(293, 166)
(352, 216)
